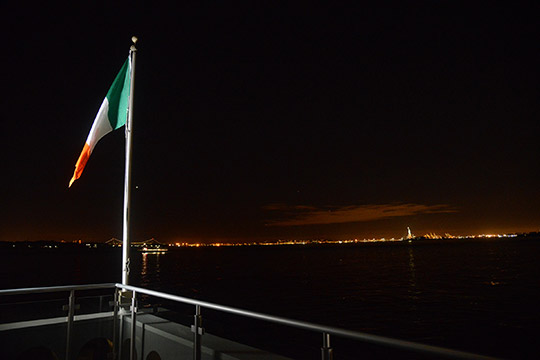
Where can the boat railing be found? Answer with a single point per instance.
(133, 293)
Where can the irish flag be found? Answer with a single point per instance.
(111, 115)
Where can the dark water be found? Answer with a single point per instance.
(474, 295)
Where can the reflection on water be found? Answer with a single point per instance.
(144, 267)
(150, 272)
(413, 291)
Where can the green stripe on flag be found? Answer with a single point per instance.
(118, 97)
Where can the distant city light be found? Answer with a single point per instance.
(155, 247)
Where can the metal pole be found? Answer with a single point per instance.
(133, 326)
(197, 333)
(326, 350)
(115, 324)
(126, 244)
(71, 313)
(122, 323)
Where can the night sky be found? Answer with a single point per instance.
(273, 121)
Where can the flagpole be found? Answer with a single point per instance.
(126, 244)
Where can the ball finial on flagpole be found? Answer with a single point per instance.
(134, 39)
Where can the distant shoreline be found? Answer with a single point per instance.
(46, 245)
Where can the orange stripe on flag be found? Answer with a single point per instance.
(81, 163)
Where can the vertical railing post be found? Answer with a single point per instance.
(198, 331)
(71, 313)
(133, 326)
(115, 324)
(326, 350)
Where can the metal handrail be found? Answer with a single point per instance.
(70, 307)
(325, 330)
(49, 289)
(375, 339)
